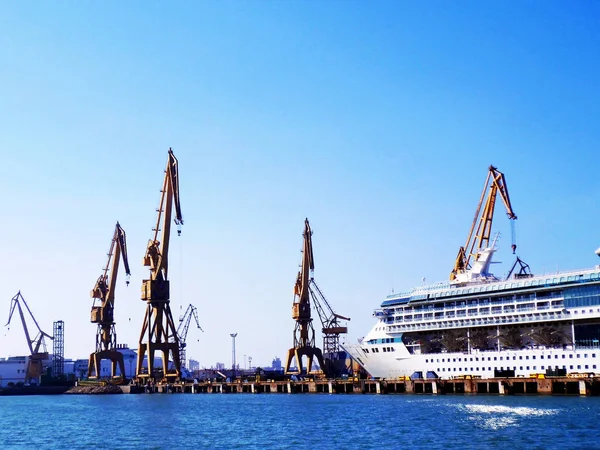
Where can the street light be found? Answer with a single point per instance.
(233, 336)
(131, 356)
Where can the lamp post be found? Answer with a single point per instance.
(131, 356)
(233, 336)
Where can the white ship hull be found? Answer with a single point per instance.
(484, 364)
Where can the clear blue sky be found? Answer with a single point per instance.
(376, 120)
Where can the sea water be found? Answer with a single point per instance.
(299, 421)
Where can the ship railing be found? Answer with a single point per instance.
(547, 279)
(536, 317)
(487, 304)
(455, 312)
(481, 321)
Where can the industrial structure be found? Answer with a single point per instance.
(158, 330)
(37, 345)
(479, 234)
(304, 333)
(103, 313)
(182, 331)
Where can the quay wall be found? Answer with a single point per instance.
(471, 386)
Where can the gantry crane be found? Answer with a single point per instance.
(103, 294)
(479, 235)
(37, 345)
(334, 356)
(304, 333)
(183, 328)
(158, 329)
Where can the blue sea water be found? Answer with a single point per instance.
(315, 421)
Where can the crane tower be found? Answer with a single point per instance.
(304, 333)
(158, 330)
(103, 313)
(37, 345)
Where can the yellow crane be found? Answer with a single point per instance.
(37, 345)
(158, 330)
(103, 308)
(479, 234)
(304, 333)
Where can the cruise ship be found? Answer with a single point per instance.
(479, 325)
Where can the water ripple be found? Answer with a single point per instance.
(310, 421)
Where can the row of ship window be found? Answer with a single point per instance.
(479, 320)
(384, 349)
(514, 358)
(473, 312)
(473, 305)
(476, 369)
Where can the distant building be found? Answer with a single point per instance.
(194, 365)
(276, 364)
(220, 366)
(79, 367)
(13, 369)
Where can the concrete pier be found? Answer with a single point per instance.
(471, 386)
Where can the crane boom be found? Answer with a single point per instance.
(15, 303)
(104, 293)
(158, 329)
(156, 257)
(184, 323)
(479, 234)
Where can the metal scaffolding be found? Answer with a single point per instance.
(58, 353)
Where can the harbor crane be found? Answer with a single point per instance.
(158, 330)
(479, 234)
(334, 355)
(304, 333)
(37, 345)
(103, 308)
(183, 328)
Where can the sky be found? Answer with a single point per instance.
(376, 120)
